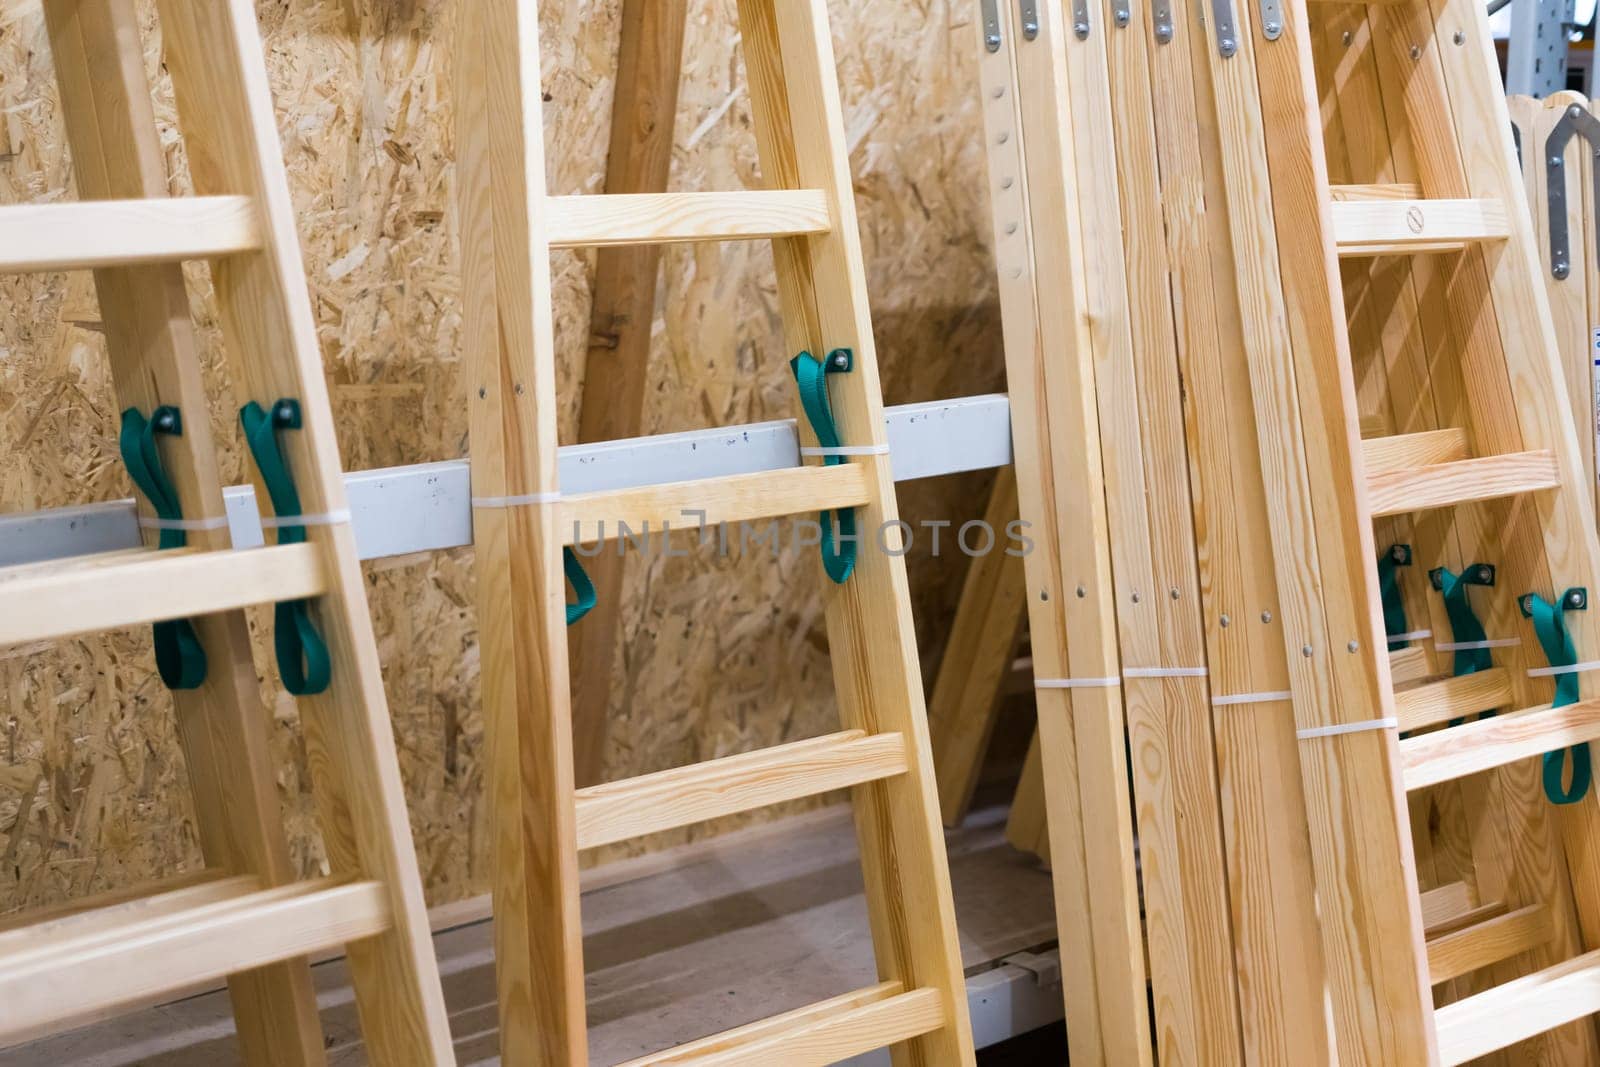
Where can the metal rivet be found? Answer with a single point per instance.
(1082, 592)
(1081, 29)
(1416, 51)
(1556, 161)
(1122, 18)
(1272, 30)
(1225, 620)
(1458, 37)
(1174, 594)
(1228, 47)
(482, 392)
(1006, 183)
(991, 41)
(1266, 616)
(1574, 111)
(1011, 227)
(1044, 594)
(1003, 138)
(1307, 651)
(1348, 37)
(1354, 645)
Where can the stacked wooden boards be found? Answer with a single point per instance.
(1184, 288)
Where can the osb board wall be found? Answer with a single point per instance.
(719, 654)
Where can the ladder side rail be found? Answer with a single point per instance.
(799, 125)
(215, 56)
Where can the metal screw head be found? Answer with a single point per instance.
(1556, 161)
(1307, 651)
(1030, 29)
(841, 360)
(1272, 30)
(1081, 29)
(1575, 599)
(1458, 37)
(1122, 17)
(1416, 51)
(1227, 46)
(1266, 616)
(991, 41)
(1485, 574)
(1354, 645)
(1135, 598)
(1082, 592)
(1175, 594)
(1225, 620)
(1560, 270)
(1163, 33)
(1347, 38)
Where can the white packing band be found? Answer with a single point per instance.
(1576, 668)
(845, 450)
(515, 501)
(1076, 683)
(1414, 635)
(1462, 646)
(1164, 672)
(331, 518)
(1252, 698)
(1348, 728)
(216, 522)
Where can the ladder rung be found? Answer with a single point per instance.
(619, 811)
(1464, 951)
(204, 883)
(1451, 698)
(111, 233)
(1405, 227)
(664, 218)
(1400, 451)
(1442, 485)
(817, 1034)
(1471, 915)
(43, 601)
(1408, 665)
(709, 501)
(1376, 191)
(1446, 755)
(1444, 904)
(60, 971)
(1496, 1018)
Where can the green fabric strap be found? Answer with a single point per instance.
(180, 658)
(303, 660)
(1551, 628)
(580, 585)
(1394, 606)
(1464, 624)
(838, 549)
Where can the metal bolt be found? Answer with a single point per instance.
(1228, 47)
(841, 361)
(1347, 38)
(1272, 29)
(1307, 651)
(1225, 620)
(991, 41)
(1082, 592)
(1174, 594)
(1081, 29)
(1416, 51)
(1266, 616)
(1574, 599)
(1163, 33)
(1136, 597)
(1354, 645)
(1560, 270)
(1556, 161)
(1485, 574)
(1458, 37)
(1030, 29)
(1122, 18)
(1574, 111)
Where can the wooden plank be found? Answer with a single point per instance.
(117, 152)
(124, 233)
(1517, 1010)
(710, 502)
(1374, 191)
(618, 811)
(74, 967)
(1479, 746)
(509, 376)
(1453, 698)
(1408, 665)
(1471, 917)
(1442, 485)
(1443, 903)
(644, 107)
(214, 55)
(1402, 451)
(66, 597)
(677, 218)
(977, 659)
(818, 1034)
(1404, 227)
(1463, 951)
(1071, 597)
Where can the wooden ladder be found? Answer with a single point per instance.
(1495, 469)
(245, 917)
(522, 524)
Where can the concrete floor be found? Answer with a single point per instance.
(677, 946)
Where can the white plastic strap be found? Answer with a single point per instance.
(515, 501)
(1576, 668)
(1076, 683)
(845, 450)
(1462, 646)
(1348, 728)
(331, 518)
(1164, 672)
(1414, 635)
(1252, 698)
(216, 522)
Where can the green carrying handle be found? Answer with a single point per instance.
(1394, 606)
(838, 549)
(580, 585)
(180, 658)
(1464, 625)
(303, 660)
(1551, 627)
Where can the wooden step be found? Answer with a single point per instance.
(1401, 451)
(666, 218)
(619, 811)
(1443, 904)
(1377, 191)
(1442, 485)
(590, 517)
(1461, 952)
(57, 972)
(1408, 665)
(1378, 226)
(1497, 1018)
(1445, 755)
(108, 233)
(816, 1035)
(1444, 924)
(1453, 698)
(43, 601)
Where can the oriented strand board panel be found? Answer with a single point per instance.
(717, 655)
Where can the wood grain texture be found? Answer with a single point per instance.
(1489, 743)
(1402, 451)
(678, 218)
(1463, 951)
(1453, 698)
(1517, 1010)
(1403, 227)
(113, 233)
(1444, 485)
